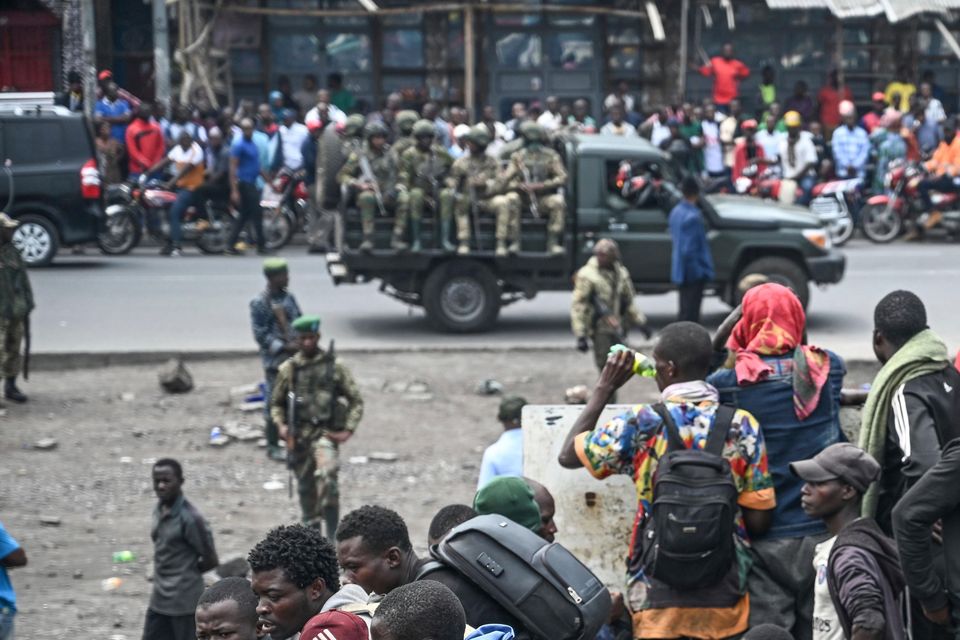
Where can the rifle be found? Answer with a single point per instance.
(534, 206)
(474, 212)
(602, 312)
(26, 347)
(331, 375)
(367, 172)
(291, 430)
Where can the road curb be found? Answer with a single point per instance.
(62, 361)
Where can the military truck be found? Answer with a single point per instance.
(465, 293)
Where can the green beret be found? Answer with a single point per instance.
(511, 408)
(307, 324)
(512, 498)
(272, 266)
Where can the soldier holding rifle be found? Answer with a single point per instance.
(316, 405)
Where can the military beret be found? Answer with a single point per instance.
(307, 324)
(272, 266)
(511, 408)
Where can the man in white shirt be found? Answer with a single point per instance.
(617, 125)
(292, 136)
(188, 161)
(334, 113)
(798, 158)
(769, 138)
(712, 146)
(550, 119)
(619, 94)
(505, 456)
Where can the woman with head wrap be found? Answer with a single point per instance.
(793, 389)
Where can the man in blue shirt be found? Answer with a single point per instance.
(505, 456)
(115, 110)
(245, 169)
(850, 144)
(691, 262)
(11, 555)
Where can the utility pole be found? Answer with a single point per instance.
(161, 51)
(89, 28)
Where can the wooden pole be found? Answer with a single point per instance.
(88, 26)
(469, 64)
(839, 55)
(682, 76)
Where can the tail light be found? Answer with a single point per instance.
(301, 192)
(90, 180)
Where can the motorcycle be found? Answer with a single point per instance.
(884, 215)
(284, 202)
(131, 208)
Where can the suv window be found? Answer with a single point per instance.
(45, 141)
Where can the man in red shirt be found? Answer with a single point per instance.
(830, 97)
(727, 73)
(145, 144)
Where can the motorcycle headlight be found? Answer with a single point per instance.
(818, 237)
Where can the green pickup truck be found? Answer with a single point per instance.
(466, 293)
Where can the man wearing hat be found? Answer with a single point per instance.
(16, 303)
(422, 167)
(511, 498)
(505, 456)
(328, 409)
(272, 314)
(798, 160)
(471, 190)
(859, 581)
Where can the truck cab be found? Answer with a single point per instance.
(465, 293)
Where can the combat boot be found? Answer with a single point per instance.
(331, 516)
(367, 244)
(415, 230)
(501, 249)
(553, 244)
(514, 247)
(11, 392)
(445, 235)
(463, 249)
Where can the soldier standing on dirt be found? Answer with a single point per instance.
(326, 405)
(272, 314)
(602, 309)
(16, 303)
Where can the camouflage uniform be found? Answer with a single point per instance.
(544, 166)
(16, 303)
(384, 170)
(611, 288)
(420, 174)
(481, 172)
(404, 122)
(328, 399)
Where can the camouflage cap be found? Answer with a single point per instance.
(511, 408)
(424, 127)
(406, 119)
(307, 324)
(532, 131)
(375, 129)
(480, 135)
(354, 125)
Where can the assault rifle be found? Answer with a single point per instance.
(367, 172)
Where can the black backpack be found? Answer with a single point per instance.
(688, 539)
(542, 584)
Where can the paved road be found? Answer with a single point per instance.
(144, 302)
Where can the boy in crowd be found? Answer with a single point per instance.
(446, 519)
(859, 583)
(227, 610)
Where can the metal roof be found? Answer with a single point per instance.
(895, 10)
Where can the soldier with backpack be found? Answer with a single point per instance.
(700, 471)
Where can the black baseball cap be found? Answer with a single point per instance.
(841, 461)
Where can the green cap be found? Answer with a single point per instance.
(424, 128)
(272, 266)
(307, 324)
(511, 408)
(512, 498)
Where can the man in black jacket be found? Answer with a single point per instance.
(934, 498)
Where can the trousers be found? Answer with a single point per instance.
(175, 215)
(317, 469)
(158, 626)
(11, 337)
(250, 212)
(691, 298)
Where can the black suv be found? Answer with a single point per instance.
(55, 179)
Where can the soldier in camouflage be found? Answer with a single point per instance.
(328, 409)
(603, 308)
(422, 168)
(537, 171)
(473, 180)
(404, 132)
(375, 154)
(16, 303)
(272, 314)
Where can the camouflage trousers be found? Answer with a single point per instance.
(416, 200)
(317, 469)
(11, 337)
(456, 204)
(509, 211)
(367, 204)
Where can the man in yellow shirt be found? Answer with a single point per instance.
(187, 158)
(944, 174)
(900, 90)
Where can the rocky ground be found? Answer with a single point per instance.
(74, 505)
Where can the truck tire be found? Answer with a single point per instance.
(461, 296)
(780, 270)
(36, 239)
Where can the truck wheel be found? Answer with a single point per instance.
(780, 270)
(36, 240)
(461, 297)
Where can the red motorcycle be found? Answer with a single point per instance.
(884, 215)
(285, 203)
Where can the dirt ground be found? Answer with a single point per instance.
(112, 423)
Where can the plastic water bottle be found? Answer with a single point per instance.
(642, 365)
(215, 434)
(122, 557)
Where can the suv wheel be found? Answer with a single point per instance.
(36, 240)
(780, 270)
(462, 297)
